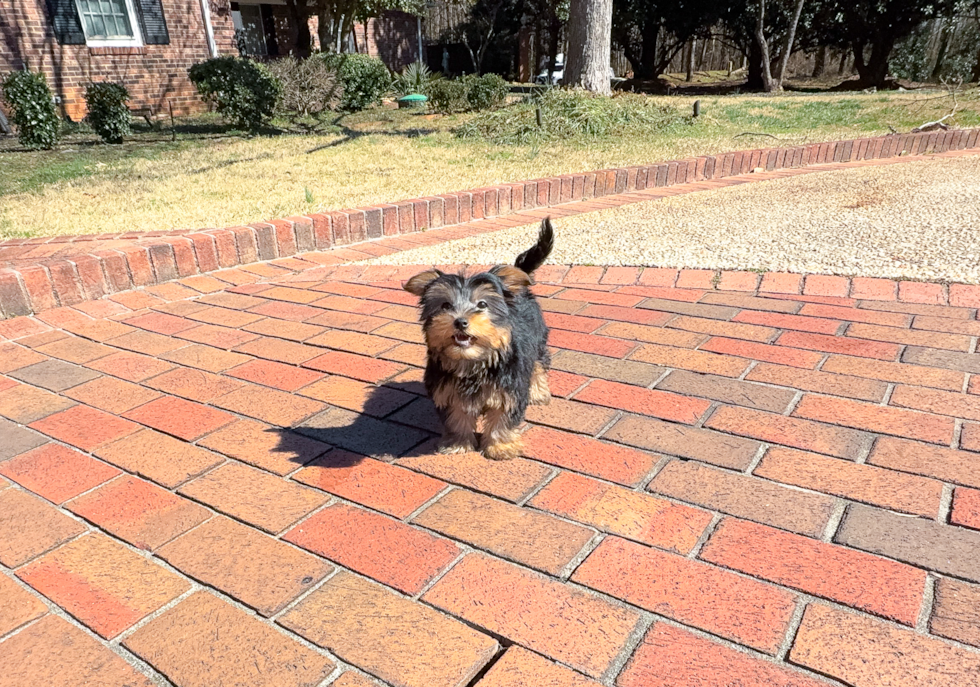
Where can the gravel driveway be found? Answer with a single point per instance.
(918, 220)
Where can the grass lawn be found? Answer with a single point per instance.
(214, 177)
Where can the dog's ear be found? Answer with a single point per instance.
(512, 277)
(420, 282)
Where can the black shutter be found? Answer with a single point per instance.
(152, 22)
(65, 21)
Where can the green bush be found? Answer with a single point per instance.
(242, 90)
(107, 111)
(32, 109)
(365, 79)
(308, 86)
(468, 92)
(448, 95)
(571, 115)
(486, 92)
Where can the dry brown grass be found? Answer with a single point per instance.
(224, 181)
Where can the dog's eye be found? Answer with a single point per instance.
(482, 305)
(447, 306)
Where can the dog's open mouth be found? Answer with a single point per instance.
(462, 340)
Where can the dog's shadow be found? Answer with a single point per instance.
(395, 420)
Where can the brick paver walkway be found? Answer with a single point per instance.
(235, 485)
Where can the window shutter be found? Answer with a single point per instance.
(65, 21)
(152, 22)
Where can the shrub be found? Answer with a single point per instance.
(468, 92)
(486, 92)
(32, 109)
(107, 111)
(448, 95)
(571, 115)
(416, 78)
(365, 79)
(308, 86)
(242, 90)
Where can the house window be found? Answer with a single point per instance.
(109, 22)
(247, 20)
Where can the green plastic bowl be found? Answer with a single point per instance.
(413, 100)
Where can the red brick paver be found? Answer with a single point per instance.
(725, 490)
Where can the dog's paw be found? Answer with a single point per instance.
(456, 447)
(508, 451)
(539, 398)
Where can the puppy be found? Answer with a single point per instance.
(487, 350)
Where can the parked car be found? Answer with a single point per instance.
(556, 76)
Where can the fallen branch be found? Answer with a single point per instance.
(951, 90)
(932, 126)
(755, 133)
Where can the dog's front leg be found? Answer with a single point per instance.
(501, 439)
(539, 394)
(459, 430)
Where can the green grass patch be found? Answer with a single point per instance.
(216, 176)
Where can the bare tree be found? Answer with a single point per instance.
(589, 45)
(788, 50)
(768, 85)
(820, 62)
(479, 31)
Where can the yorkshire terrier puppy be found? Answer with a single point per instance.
(487, 350)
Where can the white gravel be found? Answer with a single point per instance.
(918, 220)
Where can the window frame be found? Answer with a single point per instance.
(134, 21)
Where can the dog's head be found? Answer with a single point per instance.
(468, 318)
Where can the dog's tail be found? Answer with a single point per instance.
(534, 257)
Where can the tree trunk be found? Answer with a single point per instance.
(753, 62)
(648, 57)
(820, 62)
(301, 28)
(689, 75)
(975, 76)
(768, 85)
(554, 37)
(704, 53)
(843, 63)
(943, 49)
(874, 71)
(589, 43)
(538, 48)
(345, 31)
(788, 50)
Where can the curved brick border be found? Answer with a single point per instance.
(43, 273)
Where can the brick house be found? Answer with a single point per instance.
(148, 45)
(267, 32)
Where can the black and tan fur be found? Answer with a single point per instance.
(487, 350)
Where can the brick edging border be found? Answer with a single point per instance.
(111, 263)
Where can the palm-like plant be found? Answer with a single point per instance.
(416, 78)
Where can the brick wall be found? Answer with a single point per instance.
(154, 74)
(394, 38)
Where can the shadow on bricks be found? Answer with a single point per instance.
(395, 420)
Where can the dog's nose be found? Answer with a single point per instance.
(461, 323)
